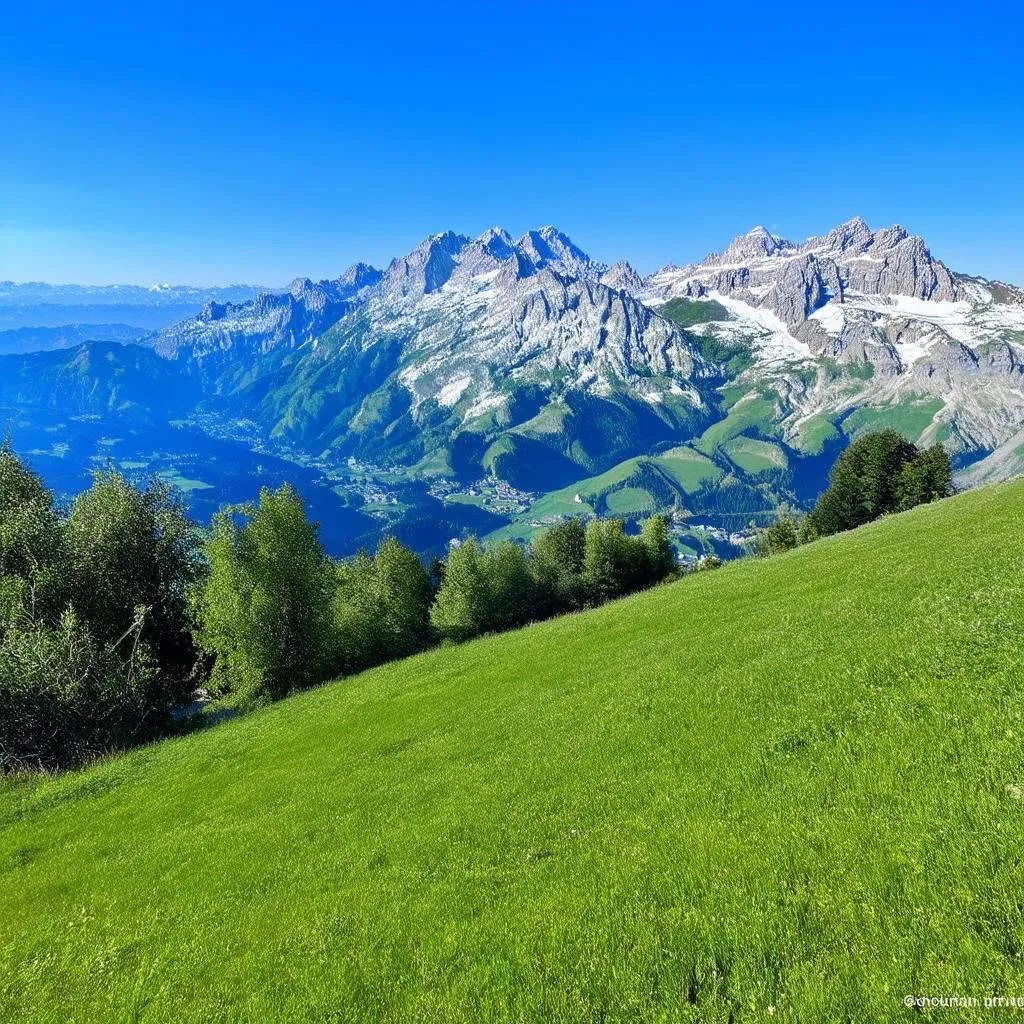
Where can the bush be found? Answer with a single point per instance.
(782, 535)
(67, 697)
(707, 562)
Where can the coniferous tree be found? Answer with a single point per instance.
(879, 473)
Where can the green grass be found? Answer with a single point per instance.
(184, 483)
(910, 418)
(816, 433)
(790, 784)
(687, 312)
(754, 456)
(630, 500)
(562, 501)
(688, 468)
(751, 412)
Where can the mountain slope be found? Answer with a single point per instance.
(788, 787)
(497, 371)
(96, 379)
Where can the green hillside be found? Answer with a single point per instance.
(790, 789)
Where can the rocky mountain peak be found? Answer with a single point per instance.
(757, 243)
(622, 277)
(498, 242)
(426, 268)
(547, 247)
(360, 275)
(852, 235)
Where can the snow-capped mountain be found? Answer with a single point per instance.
(861, 318)
(474, 316)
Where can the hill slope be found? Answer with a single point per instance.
(792, 784)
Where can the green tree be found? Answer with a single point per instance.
(355, 643)
(511, 586)
(657, 542)
(265, 610)
(462, 607)
(131, 548)
(381, 607)
(613, 564)
(31, 542)
(925, 478)
(557, 556)
(879, 473)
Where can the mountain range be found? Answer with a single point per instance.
(34, 304)
(516, 380)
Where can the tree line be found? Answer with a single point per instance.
(878, 474)
(116, 611)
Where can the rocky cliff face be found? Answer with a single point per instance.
(224, 332)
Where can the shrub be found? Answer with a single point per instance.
(67, 696)
(781, 535)
(708, 562)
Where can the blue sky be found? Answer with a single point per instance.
(257, 142)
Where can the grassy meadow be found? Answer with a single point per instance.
(789, 789)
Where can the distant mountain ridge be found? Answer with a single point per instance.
(35, 304)
(33, 293)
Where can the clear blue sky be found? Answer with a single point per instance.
(256, 142)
